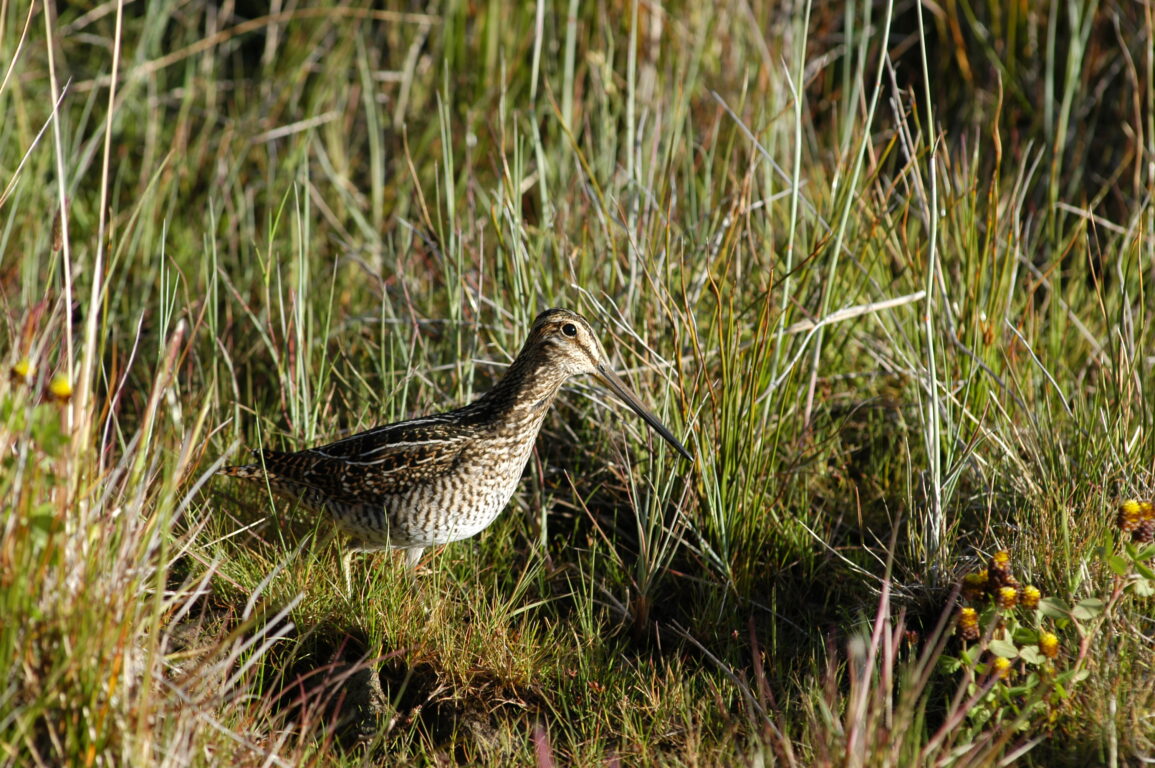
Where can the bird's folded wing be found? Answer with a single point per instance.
(387, 460)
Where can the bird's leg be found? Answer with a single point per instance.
(346, 566)
(412, 556)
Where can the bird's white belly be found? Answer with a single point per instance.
(471, 518)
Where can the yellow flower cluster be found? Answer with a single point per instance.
(974, 585)
(1138, 519)
(1000, 667)
(22, 371)
(1030, 597)
(1007, 598)
(968, 624)
(59, 388)
(996, 586)
(998, 583)
(999, 572)
(1049, 644)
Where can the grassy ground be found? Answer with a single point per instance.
(885, 266)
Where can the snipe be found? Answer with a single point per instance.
(442, 478)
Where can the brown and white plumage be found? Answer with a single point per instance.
(441, 478)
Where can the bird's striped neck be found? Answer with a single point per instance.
(527, 388)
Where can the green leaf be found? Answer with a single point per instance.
(42, 517)
(41, 523)
(1004, 648)
(1144, 570)
(1143, 588)
(1119, 564)
(979, 715)
(1054, 608)
(46, 430)
(1088, 608)
(1019, 690)
(950, 664)
(1137, 554)
(1031, 654)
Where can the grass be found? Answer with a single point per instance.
(885, 266)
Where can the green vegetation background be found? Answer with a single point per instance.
(884, 265)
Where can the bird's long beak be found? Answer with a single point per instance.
(629, 398)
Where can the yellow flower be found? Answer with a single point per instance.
(1007, 597)
(974, 585)
(1049, 644)
(23, 370)
(1000, 667)
(976, 579)
(1130, 515)
(1030, 597)
(1001, 560)
(60, 388)
(1000, 569)
(968, 624)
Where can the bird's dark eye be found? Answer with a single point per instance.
(569, 329)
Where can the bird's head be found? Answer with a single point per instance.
(566, 340)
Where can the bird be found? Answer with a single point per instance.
(442, 478)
